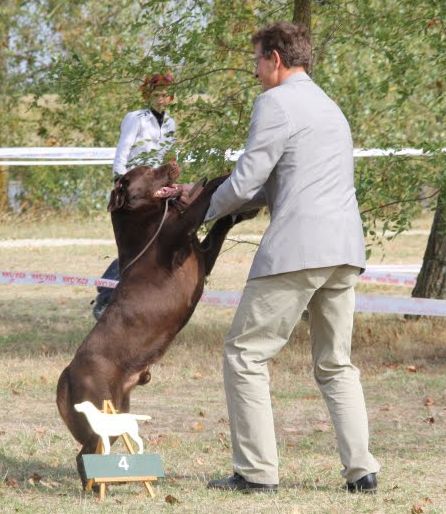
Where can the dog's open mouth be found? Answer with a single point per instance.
(168, 191)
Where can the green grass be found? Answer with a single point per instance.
(40, 328)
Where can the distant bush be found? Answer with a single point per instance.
(81, 188)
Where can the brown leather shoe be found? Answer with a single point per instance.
(237, 483)
(367, 484)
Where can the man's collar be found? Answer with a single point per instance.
(298, 76)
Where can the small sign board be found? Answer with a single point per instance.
(125, 466)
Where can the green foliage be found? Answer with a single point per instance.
(81, 188)
(383, 62)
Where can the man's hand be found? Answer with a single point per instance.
(191, 191)
(185, 192)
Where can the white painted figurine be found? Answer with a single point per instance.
(109, 425)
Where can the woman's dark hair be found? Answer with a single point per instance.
(291, 41)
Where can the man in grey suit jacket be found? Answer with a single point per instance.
(298, 160)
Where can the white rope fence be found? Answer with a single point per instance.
(75, 156)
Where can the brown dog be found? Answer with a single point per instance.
(155, 298)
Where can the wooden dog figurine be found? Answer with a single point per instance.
(112, 425)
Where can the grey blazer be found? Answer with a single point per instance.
(299, 158)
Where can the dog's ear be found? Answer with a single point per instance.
(118, 195)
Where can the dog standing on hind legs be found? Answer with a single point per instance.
(161, 283)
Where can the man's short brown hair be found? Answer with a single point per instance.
(291, 41)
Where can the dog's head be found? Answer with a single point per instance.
(83, 407)
(143, 187)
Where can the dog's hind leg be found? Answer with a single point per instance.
(90, 447)
(63, 396)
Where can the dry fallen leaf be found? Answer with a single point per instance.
(223, 439)
(428, 401)
(411, 369)
(11, 482)
(34, 479)
(198, 426)
(197, 376)
(322, 426)
(155, 440)
(417, 509)
(199, 461)
(171, 499)
(51, 484)
(391, 365)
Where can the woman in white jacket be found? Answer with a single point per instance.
(147, 137)
(148, 134)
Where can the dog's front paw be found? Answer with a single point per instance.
(243, 216)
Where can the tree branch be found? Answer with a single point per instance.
(396, 202)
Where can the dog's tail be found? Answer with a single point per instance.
(141, 417)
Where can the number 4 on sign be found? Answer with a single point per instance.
(123, 463)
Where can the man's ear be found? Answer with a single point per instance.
(277, 59)
(117, 196)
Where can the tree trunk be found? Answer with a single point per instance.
(302, 12)
(3, 188)
(431, 281)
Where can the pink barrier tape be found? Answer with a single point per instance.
(53, 279)
(25, 277)
(364, 303)
(391, 279)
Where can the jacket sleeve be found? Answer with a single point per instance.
(268, 135)
(127, 138)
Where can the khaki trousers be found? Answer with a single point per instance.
(269, 309)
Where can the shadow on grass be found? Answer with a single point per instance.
(34, 473)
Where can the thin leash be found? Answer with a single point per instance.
(151, 240)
